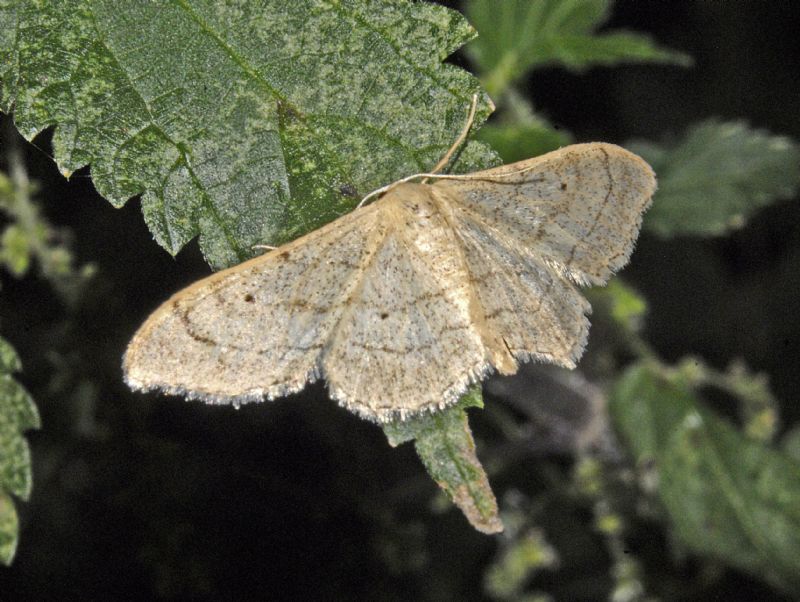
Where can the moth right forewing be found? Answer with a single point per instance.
(527, 305)
(579, 208)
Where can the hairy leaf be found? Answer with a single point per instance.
(729, 497)
(717, 176)
(444, 443)
(518, 35)
(246, 123)
(17, 414)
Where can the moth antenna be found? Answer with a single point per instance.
(442, 162)
(461, 137)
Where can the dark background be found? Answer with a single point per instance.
(145, 496)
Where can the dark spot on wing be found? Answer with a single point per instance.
(249, 298)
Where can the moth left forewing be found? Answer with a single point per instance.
(256, 330)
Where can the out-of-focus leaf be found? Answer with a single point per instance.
(727, 496)
(625, 305)
(444, 443)
(15, 251)
(525, 556)
(518, 35)
(517, 142)
(520, 133)
(9, 529)
(247, 123)
(791, 443)
(29, 237)
(17, 414)
(717, 176)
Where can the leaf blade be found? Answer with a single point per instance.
(517, 35)
(17, 414)
(242, 124)
(717, 176)
(727, 496)
(444, 443)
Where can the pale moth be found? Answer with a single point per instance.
(403, 303)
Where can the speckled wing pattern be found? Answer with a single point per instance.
(402, 304)
(532, 228)
(255, 330)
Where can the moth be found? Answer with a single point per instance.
(403, 303)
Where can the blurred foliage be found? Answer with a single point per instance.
(17, 414)
(726, 496)
(726, 493)
(519, 133)
(518, 562)
(720, 493)
(717, 176)
(518, 35)
(29, 238)
(26, 239)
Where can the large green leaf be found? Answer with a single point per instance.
(247, 123)
(717, 176)
(729, 497)
(17, 414)
(518, 35)
(444, 443)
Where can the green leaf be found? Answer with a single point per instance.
(717, 176)
(626, 306)
(520, 133)
(728, 497)
(444, 443)
(246, 123)
(17, 414)
(518, 35)
(15, 252)
(791, 443)
(517, 142)
(9, 529)
(518, 563)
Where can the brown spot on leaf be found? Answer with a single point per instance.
(348, 190)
